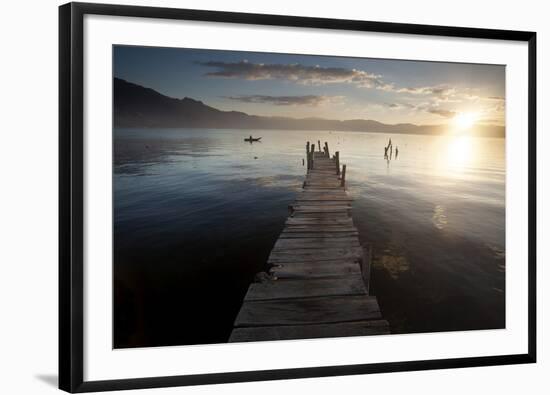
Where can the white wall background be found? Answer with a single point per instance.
(28, 198)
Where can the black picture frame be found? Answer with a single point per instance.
(71, 224)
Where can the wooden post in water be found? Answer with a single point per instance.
(308, 156)
(337, 157)
(326, 149)
(343, 177)
(319, 142)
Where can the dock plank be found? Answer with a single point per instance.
(349, 285)
(315, 244)
(294, 332)
(306, 255)
(318, 310)
(304, 271)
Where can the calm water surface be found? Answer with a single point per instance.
(198, 211)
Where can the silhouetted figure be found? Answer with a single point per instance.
(396, 151)
(391, 151)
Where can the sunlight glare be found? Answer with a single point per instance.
(459, 152)
(464, 120)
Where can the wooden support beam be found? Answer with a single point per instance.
(343, 176)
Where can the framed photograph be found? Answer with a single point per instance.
(256, 197)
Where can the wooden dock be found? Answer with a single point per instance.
(318, 280)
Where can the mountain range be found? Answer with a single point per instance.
(138, 106)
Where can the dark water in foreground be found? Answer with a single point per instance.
(198, 211)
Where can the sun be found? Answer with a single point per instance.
(464, 120)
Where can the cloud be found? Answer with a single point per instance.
(443, 113)
(308, 100)
(307, 75)
(401, 105)
(432, 97)
(429, 107)
(440, 91)
(318, 75)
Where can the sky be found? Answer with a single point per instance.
(303, 86)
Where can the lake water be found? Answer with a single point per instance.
(198, 211)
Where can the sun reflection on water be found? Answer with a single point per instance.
(459, 153)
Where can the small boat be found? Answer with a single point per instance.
(252, 139)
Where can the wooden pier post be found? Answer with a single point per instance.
(311, 156)
(343, 177)
(319, 142)
(326, 150)
(308, 155)
(337, 159)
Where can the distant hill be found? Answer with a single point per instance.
(137, 106)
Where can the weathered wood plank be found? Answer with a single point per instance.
(305, 255)
(319, 221)
(280, 289)
(293, 332)
(304, 271)
(319, 228)
(317, 235)
(334, 261)
(328, 251)
(326, 177)
(320, 214)
(324, 197)
(323, 202)
(312, 189)
(320, 208)
(318, 310)
(323, 186)
(327, 197)
(339, 193)
(315, 243)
